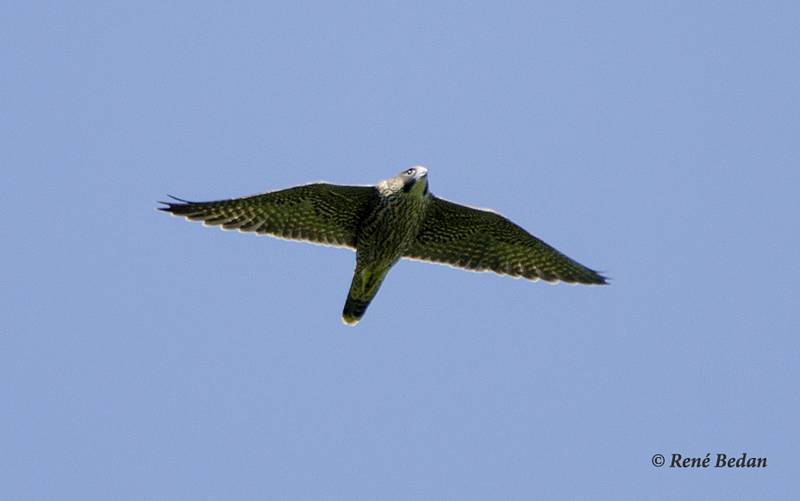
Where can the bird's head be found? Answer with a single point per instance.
(413, 181)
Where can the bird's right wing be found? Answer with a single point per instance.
(319, 213)
(481, 240)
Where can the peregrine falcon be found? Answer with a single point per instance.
(397, 218)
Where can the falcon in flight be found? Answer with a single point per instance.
(397, 218)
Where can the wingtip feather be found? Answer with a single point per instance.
(179, 199)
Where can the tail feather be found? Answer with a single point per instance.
(354, 309)
(365, 285)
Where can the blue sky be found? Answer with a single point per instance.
(143, 357)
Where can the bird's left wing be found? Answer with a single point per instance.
(319, 213)
(481, 240)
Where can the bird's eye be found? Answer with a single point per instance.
(410, 172)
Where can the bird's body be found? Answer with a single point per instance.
(387, 232)
(397, 218)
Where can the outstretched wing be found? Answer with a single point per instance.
(481, 240)
(319, 213)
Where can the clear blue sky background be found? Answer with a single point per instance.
(143, 357)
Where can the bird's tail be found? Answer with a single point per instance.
(354, 309)
(363, 288)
